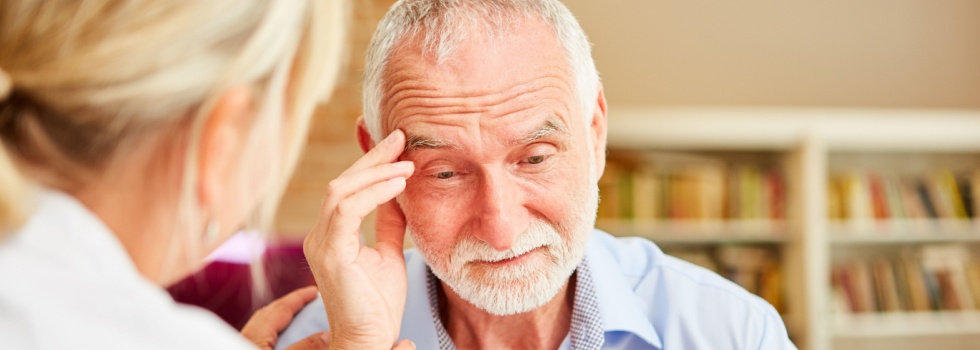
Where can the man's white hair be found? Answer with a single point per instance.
(442, 25)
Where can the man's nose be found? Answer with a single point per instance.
(502, 215)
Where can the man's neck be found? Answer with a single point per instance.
(544, 327)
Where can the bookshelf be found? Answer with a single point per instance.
(906, 232)
(810, 146)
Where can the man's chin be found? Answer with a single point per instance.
(509, 290)
(506, 300)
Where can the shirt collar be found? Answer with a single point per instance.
(621, 309)
(618, 306)
(418, 309)
(586, 331)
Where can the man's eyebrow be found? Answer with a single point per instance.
(414, 142)
(551, 126)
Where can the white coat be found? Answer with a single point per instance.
(67, 283)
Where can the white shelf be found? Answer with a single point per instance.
(905, 324)
(841, 129)
(698, 232)
(904, 231)
(806, 139)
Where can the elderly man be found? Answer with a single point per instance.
(505, 121)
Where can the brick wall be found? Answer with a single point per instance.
(331, 146)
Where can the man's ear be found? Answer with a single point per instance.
(221, 139)
(598, 130)
(363, 136)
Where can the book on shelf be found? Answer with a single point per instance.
(867, 197)
(757, 269)
(914, 287)
(948, 263)
(932, 277)
(885, 286)
(691, 188)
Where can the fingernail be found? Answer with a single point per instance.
(404, 164)
(391, 137)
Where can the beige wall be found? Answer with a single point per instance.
(651, 53)
(845, 53)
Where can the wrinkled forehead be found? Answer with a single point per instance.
(524, 63)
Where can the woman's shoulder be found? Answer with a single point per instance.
(66, 311)
(66, 285)
(55, 328)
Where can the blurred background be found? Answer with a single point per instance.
(824, 155)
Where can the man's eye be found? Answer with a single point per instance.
(535, 159)
(445, 174)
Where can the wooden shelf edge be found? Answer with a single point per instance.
(905, 324)
(698, 232)
(904, 231)
(784, 128)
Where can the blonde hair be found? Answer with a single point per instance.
(86, 78)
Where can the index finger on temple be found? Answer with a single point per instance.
(386, 151)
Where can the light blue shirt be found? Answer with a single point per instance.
(646, 300)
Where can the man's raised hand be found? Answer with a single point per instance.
(363, 288)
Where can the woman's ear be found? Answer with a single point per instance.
(363, 136)
(221, 140)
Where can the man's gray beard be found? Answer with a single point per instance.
(524, 287)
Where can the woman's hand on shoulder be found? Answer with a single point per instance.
(263, 328)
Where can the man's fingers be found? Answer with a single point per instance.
(351, 211)
(386, 151)
(347, 185)
(318, 341)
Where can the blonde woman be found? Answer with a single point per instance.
(139, 135)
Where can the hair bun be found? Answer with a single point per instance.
(6, 84)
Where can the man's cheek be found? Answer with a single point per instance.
(428, 216)
(414, 198)
(551, 199)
